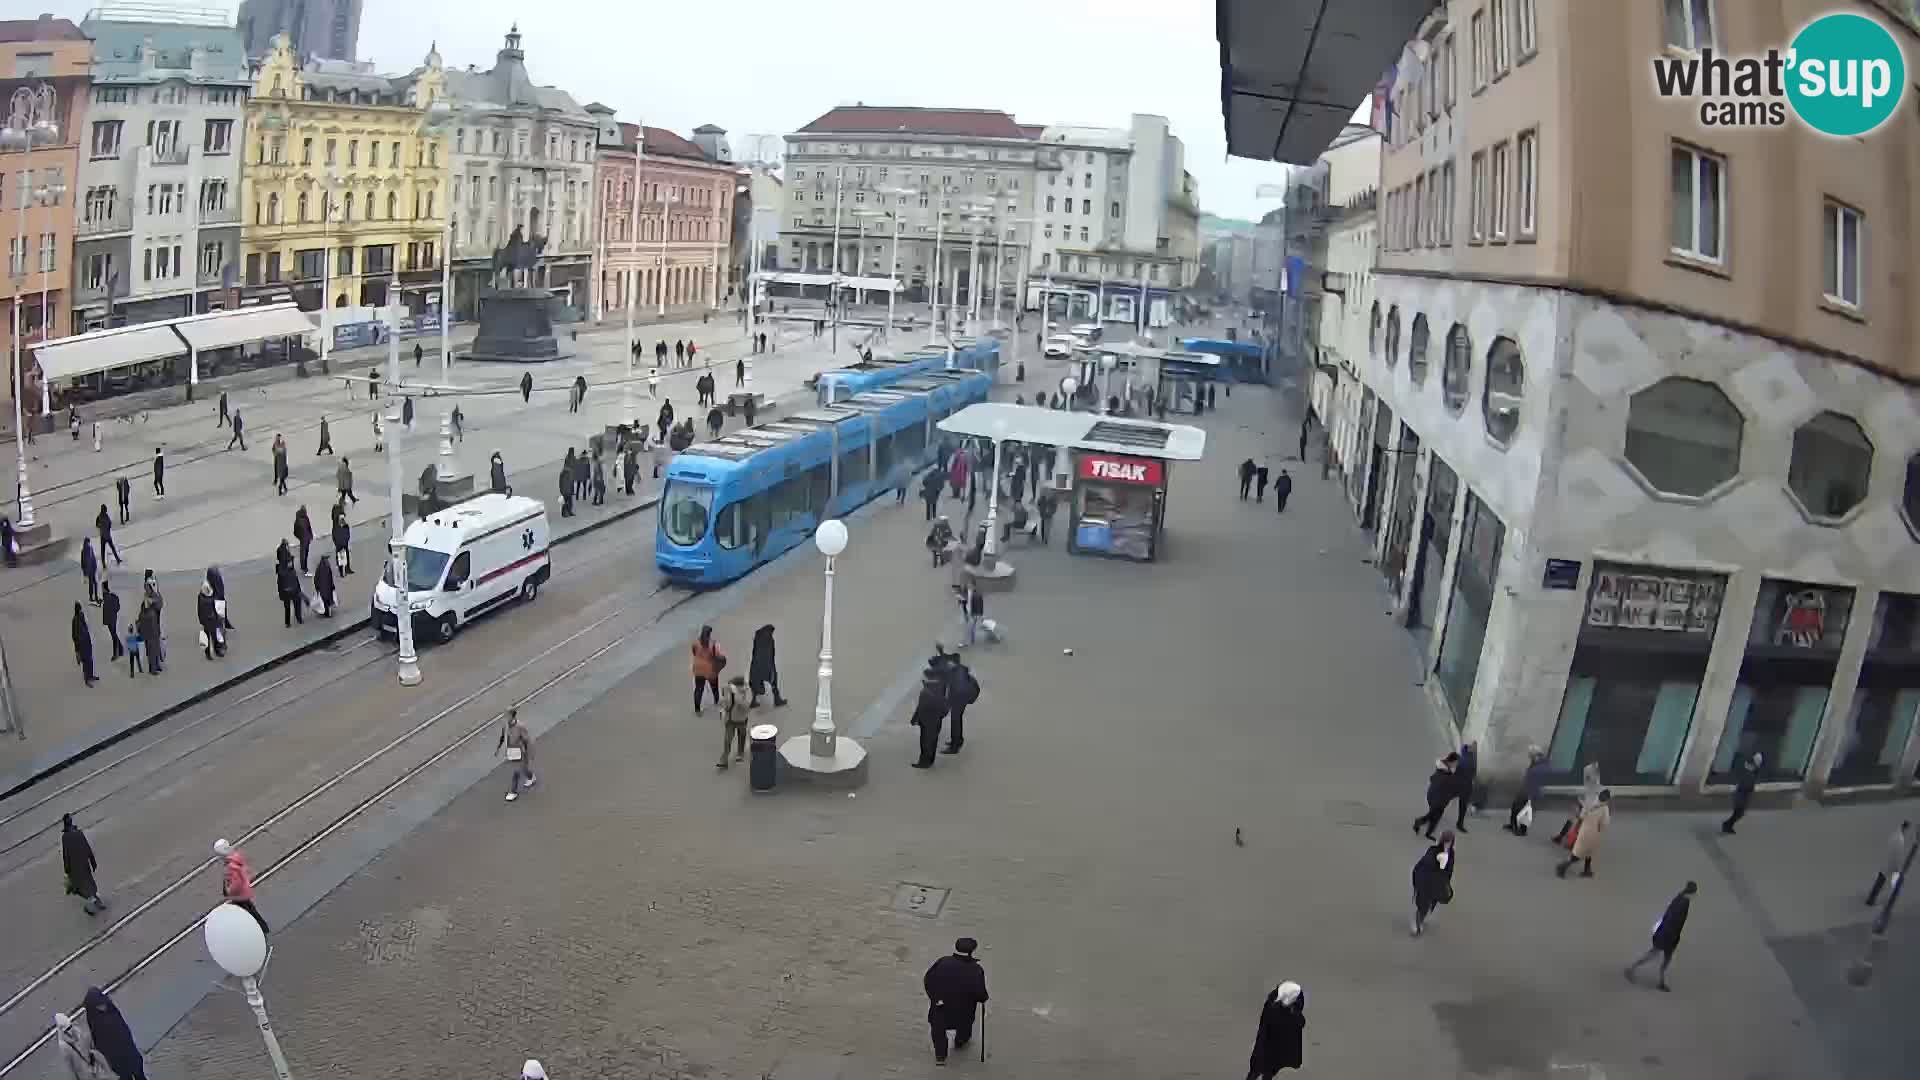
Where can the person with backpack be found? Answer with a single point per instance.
(734, 700)
(962, 690)
(929, 712)
(706, 665)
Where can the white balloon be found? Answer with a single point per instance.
(235, 942)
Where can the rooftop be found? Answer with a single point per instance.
(662, 143)
(44, 28)
(866, 119)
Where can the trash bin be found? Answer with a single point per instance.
(765, 760)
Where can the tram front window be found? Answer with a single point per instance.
(684, 512)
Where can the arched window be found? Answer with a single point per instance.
(302, 207)
(346, 208)
(1373, 331)
(370, 213)
(1456, 372)
(1417, 351)
(393, 204)
(1500, 398)
(273, 209)
(1393, 337)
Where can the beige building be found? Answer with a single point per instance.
(1353, 194)
(1638, 418)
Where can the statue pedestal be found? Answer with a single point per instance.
(516, 326)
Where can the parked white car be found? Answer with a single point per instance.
(1059, 345)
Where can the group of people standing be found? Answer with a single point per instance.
(1253, 477)
(683, 353)
(142, 642)
(948, 687)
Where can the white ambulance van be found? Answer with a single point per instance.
(463, 562)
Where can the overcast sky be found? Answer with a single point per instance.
(768, 66)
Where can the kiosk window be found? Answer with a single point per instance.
(462, 569)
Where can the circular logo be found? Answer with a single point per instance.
(1846, 74)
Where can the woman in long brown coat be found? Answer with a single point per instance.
(1593, 825)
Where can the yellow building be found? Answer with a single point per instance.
(344, 186)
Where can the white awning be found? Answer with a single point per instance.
(243, 326)
(1081, 431)
(100, 350)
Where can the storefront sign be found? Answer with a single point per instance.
(1562, 574)
(1653, 602)
(1113, 469)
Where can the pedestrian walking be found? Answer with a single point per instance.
(679, 353)
(221, 421)
(1282, 489)
(123, 492)
(90, 566)
(497, 474)
(566, 484)
(212, 638)
(1306, 424)
(326, 439)
(458, 420)
(1592, 825)
(76, 858)
(1260, 484)
(418, 353)
(343, 482)
(342, 541)
(1279, 1042)
(930, 492)
(653, 382)
(956, 987)
(1433, 880)
(974, 607)
(1666, 935)
(665, 418)
(9, 547)
(579, 392)
(103, 521)
(83, 1060)
(1466, 774)
(148, 621)
(1892, 860)
(406, 413)
(630, 466)
(83, 644)
(159, 473)
(963, 689)
(303, 532)
(599, 481)
(236, 881)
(291, 600)
(239, 432)
(929, 713)
(763, 670)
(1589, 795)
(1246, 477)
(219, 583)
(1047, 505)
(110, 617)
(526, 388)
(707, 663)
(279, 464)
(733, 700)
(134, 666)
(517, 743)
(111, 1036)
(715, 421)
(323, 587)
(1440, 789)
(582, 474)
(1520, 813)
(1746, 774)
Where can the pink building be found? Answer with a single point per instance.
(677, 257)
(44, 68)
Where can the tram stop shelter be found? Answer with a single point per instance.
(99, 351)
(1184, 377)
(1116, 471)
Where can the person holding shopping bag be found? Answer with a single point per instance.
(517, 742)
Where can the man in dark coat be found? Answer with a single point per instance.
(761, 670)
(929, 713)
(1283, 1025)
(291, 599)
(104, 523)
(1246, 477)
(497, 474)
(963, 689)
(83, 644)
(1260, 483)
(90, 566)
(239, 432)
(76, 857)
(112, 1037)
(159, 473)
(930, 486)
(1432, 880)
(956, 988)
(526, 387)
(1466, 775)
(1440, 789)
(666, 419)
(599, 481)
(326, 439)
(303, 532)
(1746, 774)
(1666, 934)
(715, 421)
(342, 538)
(323, 586)
(566, 484)
(110, 617)
(630, 467)
(148, 623)
(123, 491)
(1282, 488)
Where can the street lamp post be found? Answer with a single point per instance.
(831, 539)
(239, 946)
(1107, 363)
(939, 227)
(667, 201)
(396, 512)
(992, 547)
(833, 283)
(433, 125)
(329, 183)
(1067, 388)
(30, 122)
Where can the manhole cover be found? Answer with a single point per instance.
(922, 900)
(1345, 812)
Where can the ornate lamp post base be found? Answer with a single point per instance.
(845, 766)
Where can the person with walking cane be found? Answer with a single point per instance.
(956, 985)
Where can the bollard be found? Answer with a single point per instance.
(763, 762)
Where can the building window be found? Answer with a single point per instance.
(1448, 73)
(1421, 221)
(1482, 56)
(1499, 193)
(1083, 234)
(1842, 262)
(1832, 460)
(1482, 542)
(306, 151)
(1526, 159)
(302, 204)
(1699, 203)
(1683, 436)
(1477, 199)
(1456, 370)
(1690, 24)
(1393, 338)
(219, 137)
(1525, 35)
(106, 138)
(213, 195)
(273, 208)
(1373, 332)
(99, 271)
(1086, 206)
(1502, 31)
(1113, 209)
(1417, 345)
(1500, 397)
(1446, 203)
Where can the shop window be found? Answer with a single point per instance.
(1436, 534)
(1636, 673)
(1500, 398)
(1481, 542)
(1393, 337)
(1832, 458)
(1456, 372)
(1373, 331)
(1886, 699)
(1417, 351)
(1786, 676)
(1683, 436)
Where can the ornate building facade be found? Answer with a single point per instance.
(678, 254)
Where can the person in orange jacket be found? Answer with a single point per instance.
(236, 881)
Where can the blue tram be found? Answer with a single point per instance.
(745, 498)
(975, 354)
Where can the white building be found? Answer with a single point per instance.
(1353, 188)
(157, 223)
(769, 198)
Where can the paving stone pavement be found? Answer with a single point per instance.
(641, 915)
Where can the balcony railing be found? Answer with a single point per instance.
(92, 225)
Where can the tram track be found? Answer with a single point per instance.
(463, 736)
